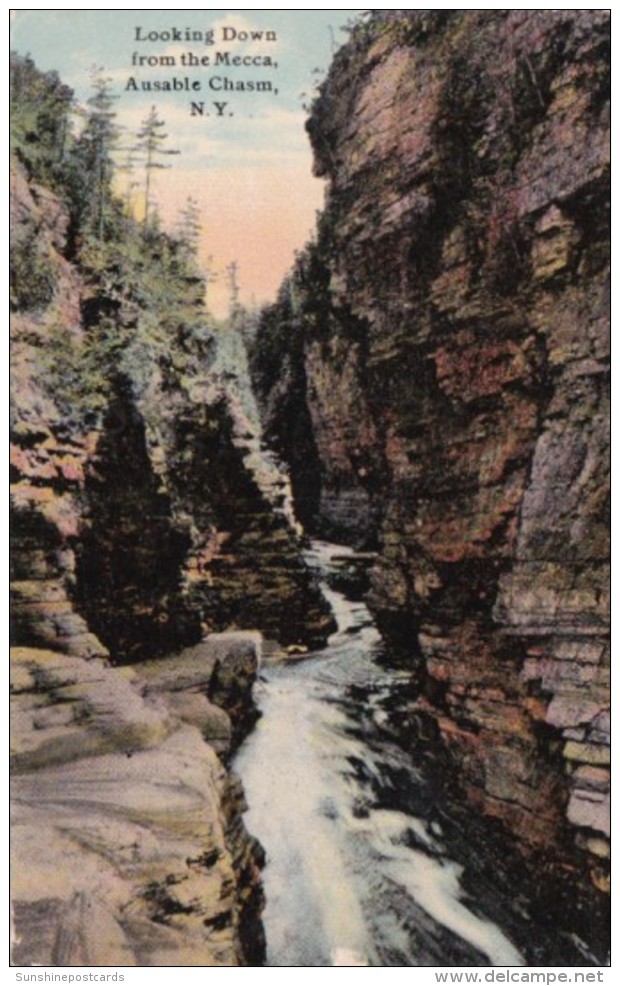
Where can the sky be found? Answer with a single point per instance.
(247, 161)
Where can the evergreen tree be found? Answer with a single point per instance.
(40, 109)
(93, 164)
(211, 275)
(190, 227)
(128, 168)
(150, 140)
(233, 285)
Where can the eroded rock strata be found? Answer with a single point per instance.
(445, 344)
(140, 497)
(140, 487)
(128, 846)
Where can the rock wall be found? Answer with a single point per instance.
(454, 360)
(145, 517)
(145, 504)
(128, 846)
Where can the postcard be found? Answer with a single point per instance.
(309, 491)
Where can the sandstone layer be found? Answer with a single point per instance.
(128, 846)
(449, 370)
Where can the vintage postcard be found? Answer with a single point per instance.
(309, 477)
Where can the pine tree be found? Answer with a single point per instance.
(103, 134)
(150, 140)
(93, 165)
(232, 271)
(190, 227)
(211, 275)
(40, 110)
(127, 168)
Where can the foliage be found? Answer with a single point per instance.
(40, 106)
(79, 371)
(150, 143)
(190, 226)
(143, 295)
(146, 280)
(90, 166)
(303, 309)
(31, 277)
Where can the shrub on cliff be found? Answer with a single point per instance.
(31, 278)
(40, 106)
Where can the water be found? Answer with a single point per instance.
(350, 878)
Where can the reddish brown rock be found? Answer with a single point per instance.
(462, 296)
(141, 501)
(128, 844)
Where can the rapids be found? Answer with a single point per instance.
(350, 879)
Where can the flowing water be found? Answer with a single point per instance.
(351, 878)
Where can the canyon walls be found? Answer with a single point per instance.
(139, 483)
(435, 372)
(440, 356)
(146, 518)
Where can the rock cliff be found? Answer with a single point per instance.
(128, 845)
(441, 353)
(140, 486)
(140, 494)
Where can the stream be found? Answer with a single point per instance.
(351, 878)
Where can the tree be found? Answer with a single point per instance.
(103, 134)
(190, 227)
(150, 140)
(211, 275)
(93, 166)
(39, 118)
(233, 285)
(127, 168)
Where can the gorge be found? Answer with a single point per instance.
(433, 377)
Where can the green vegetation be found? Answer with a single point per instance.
(143, 294)
(31, 278)
(303, 308)
(151, 138)
(90, 165)
(190, 226)
(40, 112)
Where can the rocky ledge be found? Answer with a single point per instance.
(128, 843)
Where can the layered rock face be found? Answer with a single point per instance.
(454, 366)
(146, 516)
(128, 846)
(146, 505)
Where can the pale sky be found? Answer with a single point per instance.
(250, 172)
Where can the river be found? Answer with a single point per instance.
(351, 878)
